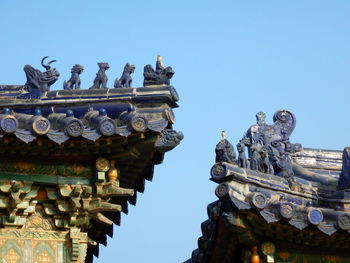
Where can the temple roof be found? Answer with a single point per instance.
(81, 156)
(281, 193)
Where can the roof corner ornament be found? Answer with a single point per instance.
(160, 76)
(168, 139)
(38, 81)
(74, 81)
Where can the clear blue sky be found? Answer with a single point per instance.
(232, 59)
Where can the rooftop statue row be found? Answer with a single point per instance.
(269, 148)
(38, 81)
(270, 151)
(281, 180)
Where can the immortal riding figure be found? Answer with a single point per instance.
(225, 151)
(160, 76)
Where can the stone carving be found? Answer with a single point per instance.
(224, 150)
(125, 80)
(40, 81)
(74, 81)
(100, 81)
(161, 75)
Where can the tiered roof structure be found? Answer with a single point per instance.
(72, 160)
(281, 204)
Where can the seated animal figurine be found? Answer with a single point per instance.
(161, 75)
(242, 160)
(40, 81)
(265, 164)
(100, 81)
(74, 81)
(125, 80)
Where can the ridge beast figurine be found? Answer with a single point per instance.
(74, 81)
(100, 81)
(242, 159)
(125, 80)
(38, 81)
(161, 75)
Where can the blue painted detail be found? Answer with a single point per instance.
(315, 216)
(309, 203)
(30, 95)
(102, 112)
(37, 112)
(69, 113)
(294, 200)
(114, 109)
(87, 97)
(6, 111)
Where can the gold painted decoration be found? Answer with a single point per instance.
(102, 165)
(113, 174)
(44, 257)
(268, 248)
(11, 256)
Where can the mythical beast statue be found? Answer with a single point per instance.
(40, 81)
(74, 81)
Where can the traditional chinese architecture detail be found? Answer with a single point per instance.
(344, 177)
(168, 140)
(100, 81)
(74, 82)
(161, 75)
(269, 147)
(72, 161)
(282, 200)
(242, 160)
(224, 150)
(38, 81)
(125, 80)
